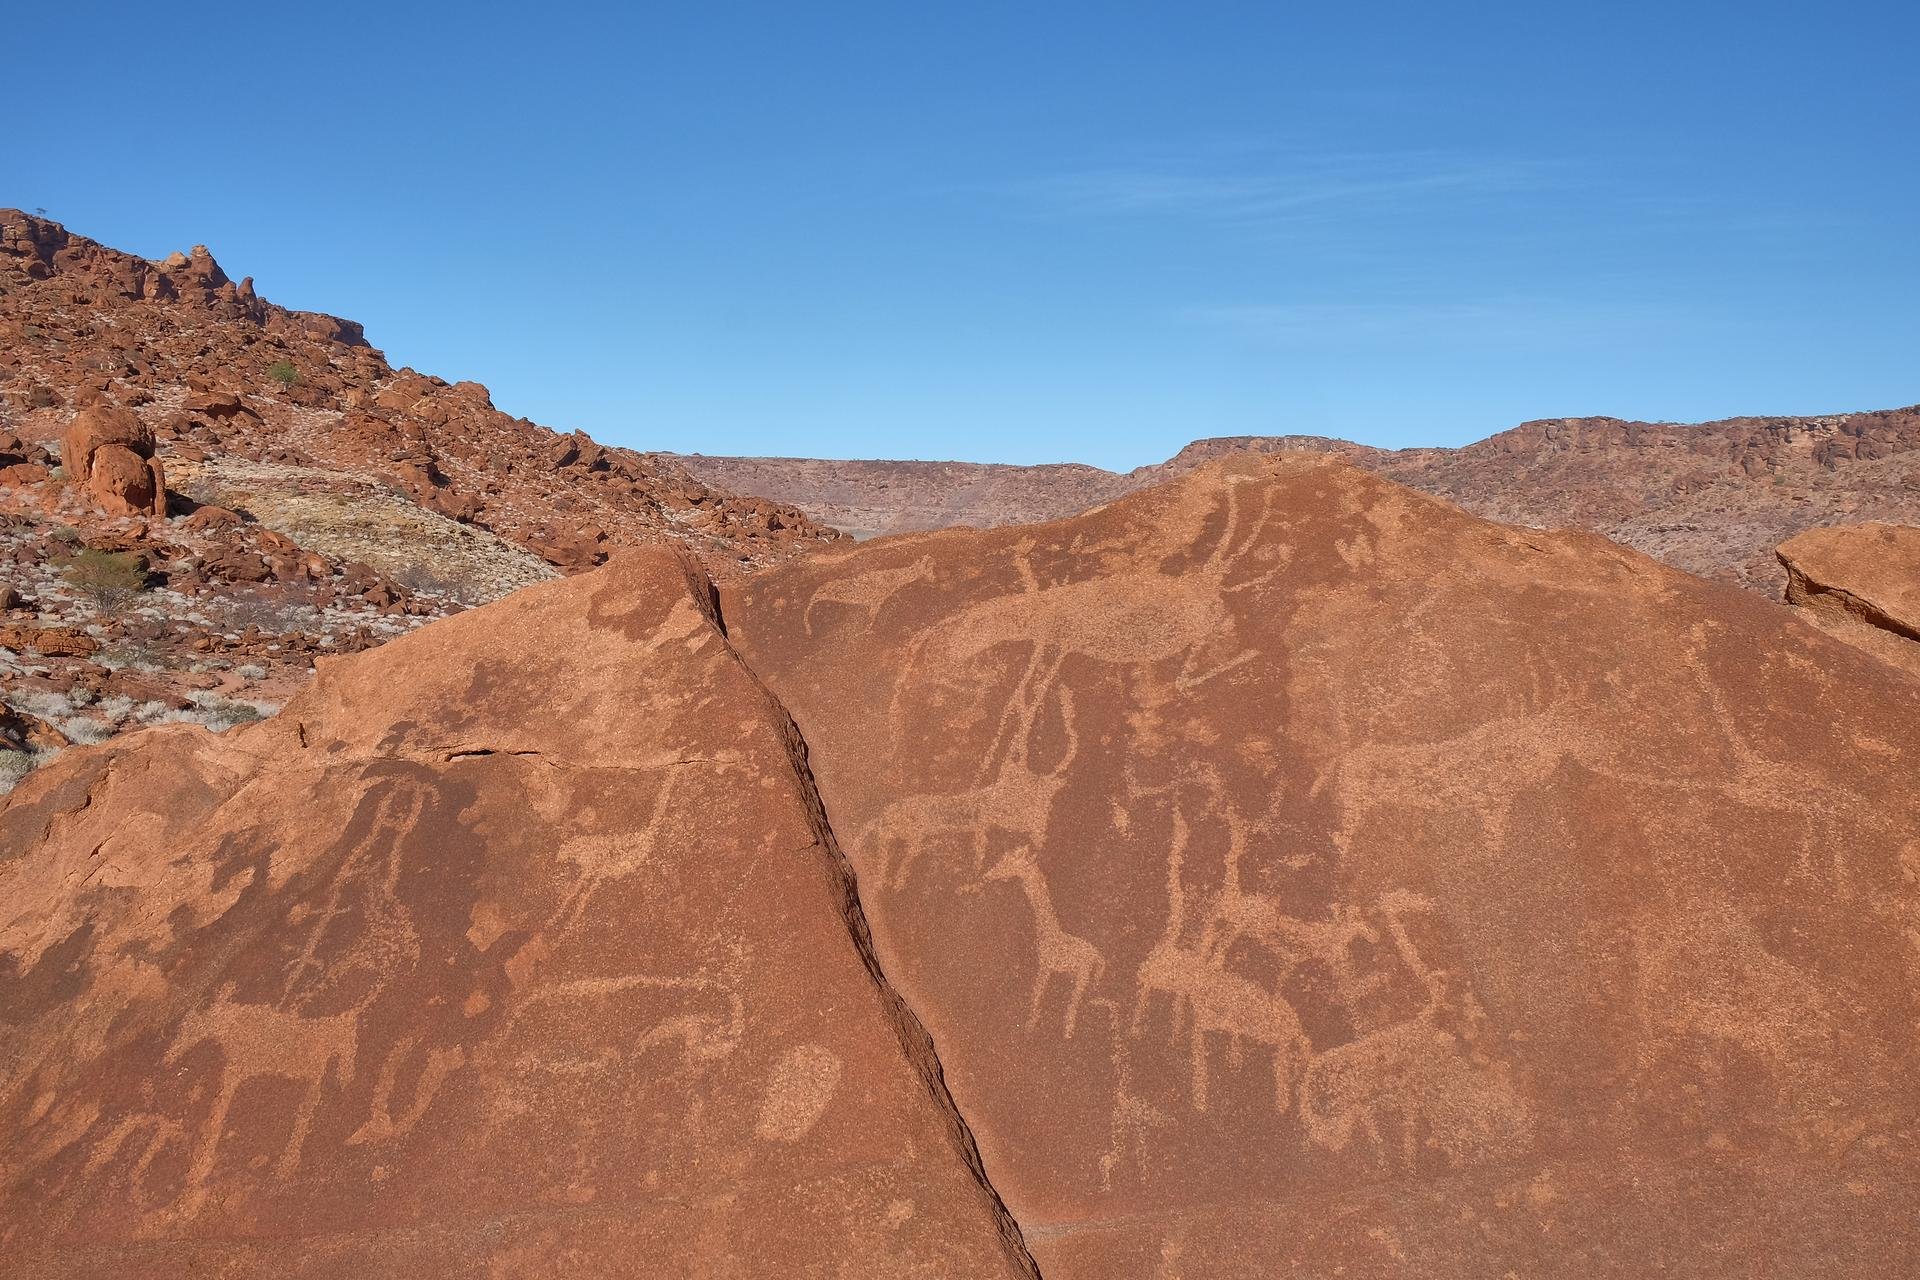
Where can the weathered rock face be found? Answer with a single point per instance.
(1300, 875)
(518, 947)
(1862, 583)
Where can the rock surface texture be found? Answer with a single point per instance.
(1300, 876)
(518, 947)
(1862, 583)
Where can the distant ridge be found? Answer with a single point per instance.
(1713, 498)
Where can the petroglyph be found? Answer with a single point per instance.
(362, 897)
(439, 1062)
(704, 1035)
(1132, 620)
(1210, 1001)
(1416, 1075)
(1403, 1085)
(1133, 1120)
(798, 1090)
(1016, 804)
(602, 858)
(1411, 1077)
(1056, 951)
(868, 592)
(161, 1133)
(258, 1041)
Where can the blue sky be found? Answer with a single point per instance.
(1028, 232)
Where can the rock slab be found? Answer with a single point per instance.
(1301, 876)
(515, 947)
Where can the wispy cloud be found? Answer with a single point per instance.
(1257, 190)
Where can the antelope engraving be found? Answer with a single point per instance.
(1056, 951)
(259, 1041)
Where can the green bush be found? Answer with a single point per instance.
(220, 714)
(283, 372)
(108, 578)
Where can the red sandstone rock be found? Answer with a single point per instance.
(126, 683)
(20, 731)
(1862, 584)
(1300, 876)
(52, 642)
(517, 947)
(109, 452)
(211, 517)
(215, 404)
(239, 566)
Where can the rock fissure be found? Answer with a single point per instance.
(1814, 595)
(915, 1040)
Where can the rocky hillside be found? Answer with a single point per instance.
(200, 492)
(1714, 499)
(869, 498)
(1275, 872)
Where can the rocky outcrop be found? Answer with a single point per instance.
(109, 453)
(175, 390)
(218, 370)
(1862, 583)
(1300, 875)
(518, 947)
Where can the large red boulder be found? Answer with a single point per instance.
(1302, 877)
(108, 452)
(517, 947)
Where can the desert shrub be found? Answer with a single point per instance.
(14, 765)
(46, 705)
(137, 657)
(220, 714)
(427, 579)
(283, 372)
(85, 731)
(108, 578)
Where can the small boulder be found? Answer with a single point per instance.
(48, 642)
(211, 517)
(21, 474)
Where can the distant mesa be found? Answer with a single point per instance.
(1714, 499)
